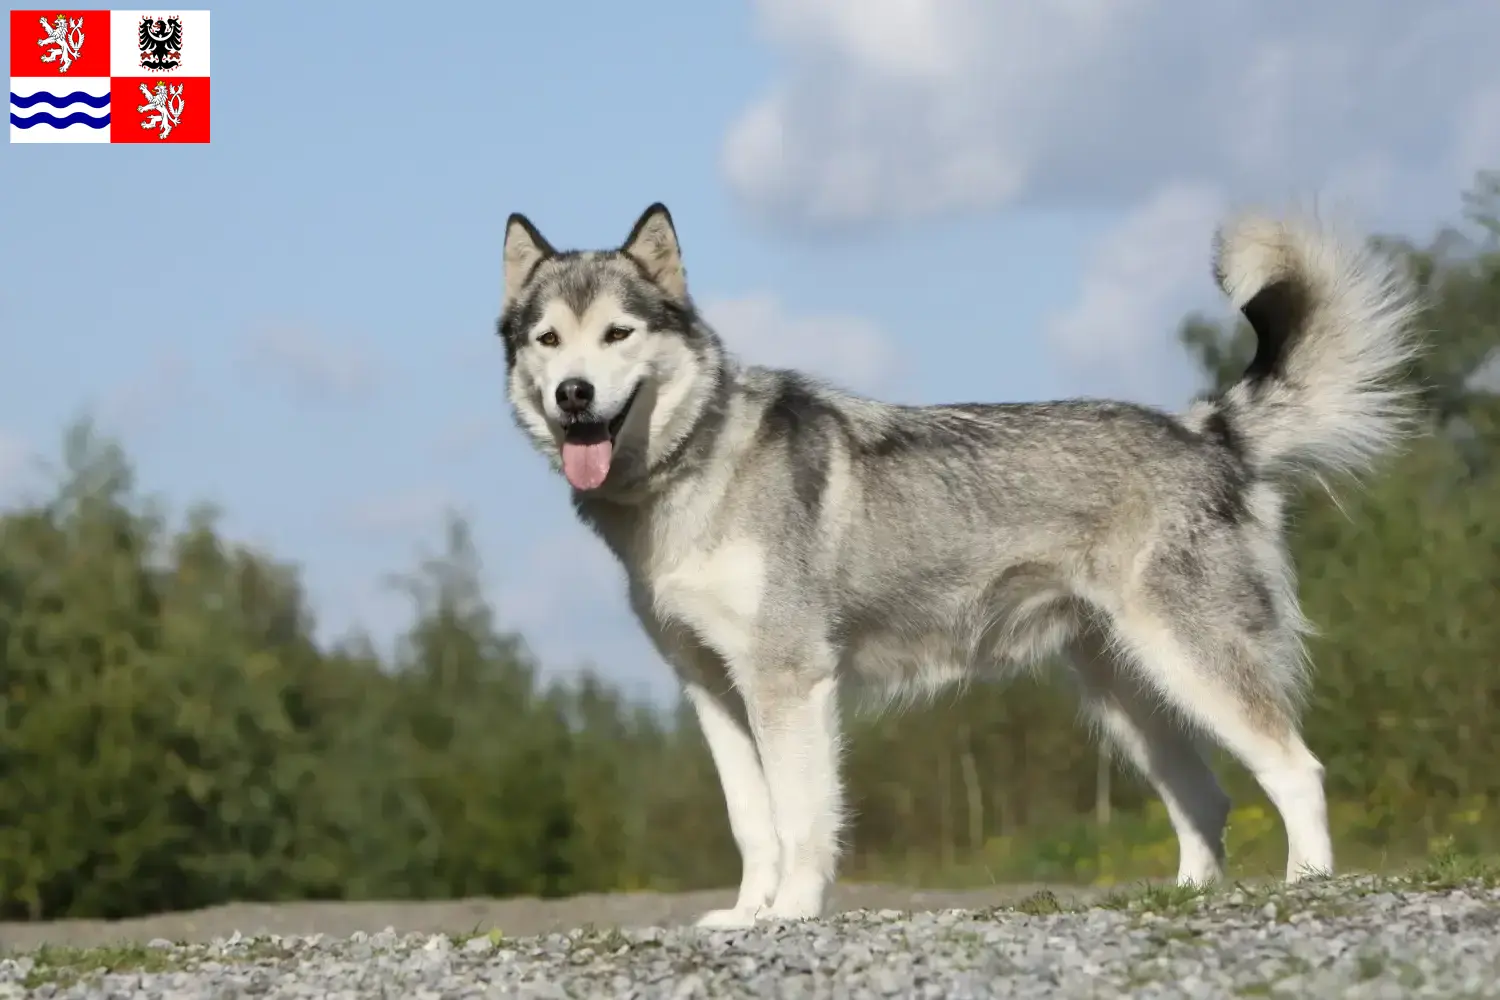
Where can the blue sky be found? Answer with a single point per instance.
(963, 202)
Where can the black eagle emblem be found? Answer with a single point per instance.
(161, 42)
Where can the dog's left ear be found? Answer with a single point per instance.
(653, 244)
(525, 248)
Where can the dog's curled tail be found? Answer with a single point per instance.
(1334, 325)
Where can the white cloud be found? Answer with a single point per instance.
(1136, 283)
(1486, 378)
(846, 350)
(465, 437)
(890, 111)
(312, 363)
(902, 109)
(140, 402)
(15, 455)
(566, 596)
(561, 583)
(409, 511)
(562, 590)
(1479, 134)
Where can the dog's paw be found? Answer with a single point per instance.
(791, 913)
(797, 899)
(727, 920)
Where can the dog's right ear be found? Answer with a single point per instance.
(525, 248)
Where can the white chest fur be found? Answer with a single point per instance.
(716, 592)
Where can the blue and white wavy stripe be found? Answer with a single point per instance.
(59, 110)
(76, 97)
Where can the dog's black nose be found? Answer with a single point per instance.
(574, 395)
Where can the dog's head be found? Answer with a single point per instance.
(609, 365)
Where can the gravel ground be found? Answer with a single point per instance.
(1355, 937)
(516, 917)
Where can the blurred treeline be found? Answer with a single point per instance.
(174, 736)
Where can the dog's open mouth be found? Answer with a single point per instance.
(588, 447)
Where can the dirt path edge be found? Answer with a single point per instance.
(519, 917)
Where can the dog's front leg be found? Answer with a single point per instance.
(795, 717)
(747, 801)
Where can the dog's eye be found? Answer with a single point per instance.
(615, 334)
(548, 339)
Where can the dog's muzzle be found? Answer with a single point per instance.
(588, 446)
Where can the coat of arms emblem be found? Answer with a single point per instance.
(160, 40)
(167, 102)
(65, 40)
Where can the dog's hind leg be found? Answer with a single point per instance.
(1151, 735)
(1214, 647)
(747, 800)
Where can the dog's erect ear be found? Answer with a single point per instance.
(524, 250)
(653, 244)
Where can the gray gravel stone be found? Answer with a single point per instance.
(1344, 938)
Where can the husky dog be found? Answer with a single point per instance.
(782, 538)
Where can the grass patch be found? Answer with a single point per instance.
(1168, 900)
(63, 967)
(1320, 898)
(1448, 868)
(494, 936)
(1140, 845)
(1040, 904)
(605, 940)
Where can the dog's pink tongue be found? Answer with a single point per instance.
(586, 465)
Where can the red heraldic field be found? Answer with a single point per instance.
(59, 43)
(159, 109)
(140, 76)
